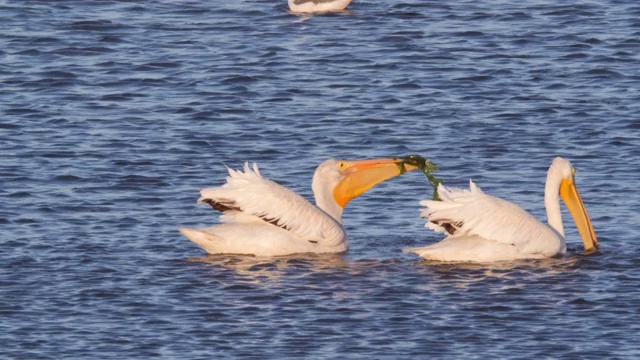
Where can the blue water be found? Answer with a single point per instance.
(113, 114)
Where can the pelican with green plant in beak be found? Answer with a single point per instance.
(262, 218)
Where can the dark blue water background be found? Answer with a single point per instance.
(113, 114)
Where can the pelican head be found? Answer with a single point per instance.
(561, 169)
(336, 182)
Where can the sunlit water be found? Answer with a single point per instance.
(114, 114)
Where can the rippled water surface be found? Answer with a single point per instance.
(113, 114)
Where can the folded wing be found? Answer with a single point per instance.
(472, 213)
(247, 197)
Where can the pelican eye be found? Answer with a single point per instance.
(342, 165)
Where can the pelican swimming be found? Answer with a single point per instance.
(260, 217)
(484, 228)
(317, 6)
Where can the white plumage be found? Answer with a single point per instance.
(261, 217)
(317, 6)
(484, 228)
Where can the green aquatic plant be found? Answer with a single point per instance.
(427, 168)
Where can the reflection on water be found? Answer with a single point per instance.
(437, 273)
(272, 268)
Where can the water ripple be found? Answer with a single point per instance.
(115, 114)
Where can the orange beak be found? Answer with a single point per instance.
(360, 176)
(571, 198)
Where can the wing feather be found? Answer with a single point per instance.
(471, 212)
(251, 198)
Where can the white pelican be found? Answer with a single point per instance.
(484, 228)
(263, 218)
(317, 6)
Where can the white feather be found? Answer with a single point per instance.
(261, 198)
(482, 215)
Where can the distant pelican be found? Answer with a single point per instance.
(263, 218)
(484, 228)
(317, 6)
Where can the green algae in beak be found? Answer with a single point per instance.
(427, 168)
